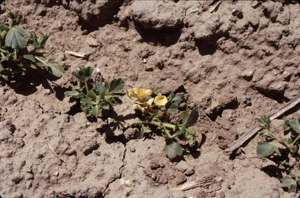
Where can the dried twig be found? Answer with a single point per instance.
(204, 182)
(80, 55)
(55, 153)
(215, 7)
(246, 136)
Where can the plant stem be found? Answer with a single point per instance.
(37, 58)
(86, 87)
(167, 125)
(296, 139)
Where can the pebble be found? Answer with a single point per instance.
(92, 42)
(247, 74)
(194, 9)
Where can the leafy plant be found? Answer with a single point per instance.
(15, 53)
(93, 100)
(154, 111)
(287, 148)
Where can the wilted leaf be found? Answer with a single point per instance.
(173, 149)
(267, 148)
(15, 37)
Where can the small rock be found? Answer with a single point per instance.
(194, 9)
(180, 179)
(154, 165)
(128, 183)
(247, 74)
(190, 171)
(56, 173)
(92, 42)
(47, 91)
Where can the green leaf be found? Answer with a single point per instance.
(15, 37)
(193, 117)
(96, 110)
(146, 129)
(173, 108)
(286, 126)
(43, 39)
(91, 94)
(295, 125)
(177, 133)
(265, 121)
(286, 141)
(267, 133)
(56, 69)
(289, 183)
(4, 27)
(29, 57)
(87, 101)
(172, 105)
(84, 74)
(173, 149)
(74, 94)
(116, 85)
(101, 89)
(267, 148)
(185, 116)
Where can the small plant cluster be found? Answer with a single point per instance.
(286, 150)
(93, 95)
(19, 49)
(15, 54)
(154, 111)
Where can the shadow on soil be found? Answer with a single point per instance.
(164, 37)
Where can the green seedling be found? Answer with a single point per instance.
(286, 148)
(94, 96)
(15, 53)
(154, 111)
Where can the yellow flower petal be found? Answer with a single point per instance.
(141, 94)
(147, 92)
(130, 94)
(160, 100)
(150, 102)
(138, 107)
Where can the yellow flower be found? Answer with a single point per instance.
(138, 107)
(139, 94)
(160, 100)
